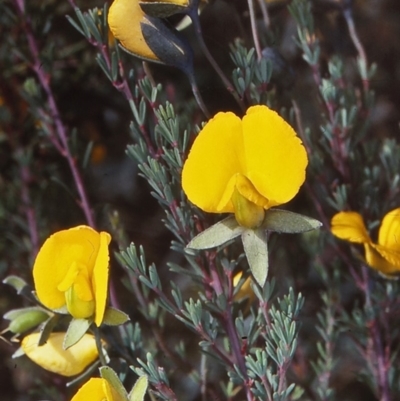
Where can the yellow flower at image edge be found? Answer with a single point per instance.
(52, 357)
(71, 269)
(383, 256)
(124, 20)
(96, 389)
(244, 166)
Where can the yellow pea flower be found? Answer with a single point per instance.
(71, 270)
(383, 256)
(97, 389)
(244, 166)
(245, 290)
(52, 357)
(109, 388)
(124, 20)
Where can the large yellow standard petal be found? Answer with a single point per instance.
(276, 159)
(100, 277)
(124, 18)
(59, 253)
(350, 226)
(93, 390)
(216, 156)
(52, 357)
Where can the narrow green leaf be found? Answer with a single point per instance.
(46, 329)
(256, 250)
(283, 221)
(17, 283)
(139, 389)
(76, 330)
(113, 380)
(114, 317)
(216, 235)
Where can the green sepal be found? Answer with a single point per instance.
(256, 249)
(76, 330)
(139, 389)
(160, 9)
(283, 221)
(216, 235)
(16, 282)
(113, 380)
(114, 317)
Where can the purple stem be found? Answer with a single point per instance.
(29, 210)
(379, 352)
(60, 130)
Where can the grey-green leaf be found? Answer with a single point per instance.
(256, 250)
(114, 317)
(113, 380)
(139, 389)
(216, 235)
(76, 330)
(17, 283)
(283, 221)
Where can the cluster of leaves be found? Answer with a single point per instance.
(195, 335)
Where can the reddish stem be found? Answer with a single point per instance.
(59, 129)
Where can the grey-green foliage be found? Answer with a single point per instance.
(268, 365)
(251, 76)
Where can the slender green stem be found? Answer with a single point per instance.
(254, 30)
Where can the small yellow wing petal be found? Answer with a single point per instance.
(384, 260)
(52, 357)
(389, 232)
(124, 18)
(91, 391)
(216, 156)
(350, 226)
(276, 159)
(100, 277)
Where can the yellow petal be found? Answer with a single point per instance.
(100, 277)
(216, 156)
(124, 18)
(350, 227)
(384, 260)
(51, 356)
(276, 159)
(91, 391)
(111, 393)
(77, 245)
(389, 232)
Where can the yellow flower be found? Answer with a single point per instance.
(383, 256)
(51, 356)
(124, 20)
(97, 389)
(245, 290)
(71, 269)
(244, 166)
